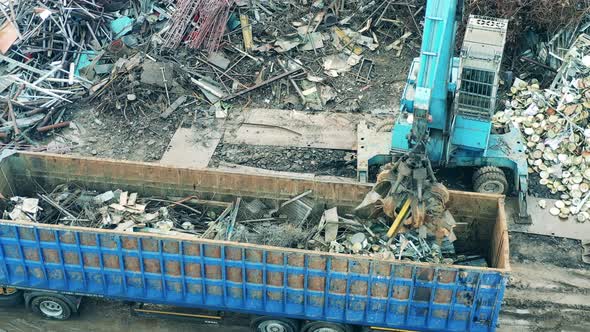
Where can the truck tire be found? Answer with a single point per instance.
(326, 327)
(10, 297)
(274, 324)
(51, 307)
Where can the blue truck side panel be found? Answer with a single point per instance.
(246, 278)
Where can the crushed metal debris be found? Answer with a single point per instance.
(301, 222)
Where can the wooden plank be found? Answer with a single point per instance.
(246, 32)
(191, 148)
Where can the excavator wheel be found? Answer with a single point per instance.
(491, 183)
(485, 170)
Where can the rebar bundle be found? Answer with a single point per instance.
(182, 17)
(210, 24)
(203, 20)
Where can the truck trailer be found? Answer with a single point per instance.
(53, 267)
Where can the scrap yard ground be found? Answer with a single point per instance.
(221, 105)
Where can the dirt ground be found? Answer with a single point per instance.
(99, 315)
(549, 287)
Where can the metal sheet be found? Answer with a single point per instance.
(191, 148)
(546, 224)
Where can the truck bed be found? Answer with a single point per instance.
(184, 270)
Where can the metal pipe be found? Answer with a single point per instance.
(270, 80)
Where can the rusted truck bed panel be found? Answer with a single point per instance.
(187, 271)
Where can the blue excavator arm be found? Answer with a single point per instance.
(430, 105)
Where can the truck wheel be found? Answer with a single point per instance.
(326, 327)
(490, 180)
(274, 324)
(51, 307)
(10, 297)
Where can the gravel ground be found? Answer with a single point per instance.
(303, 160)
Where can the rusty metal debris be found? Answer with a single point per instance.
(117, 209)
(201, 22)
(408, 195)
(175, 57)
(139, 59)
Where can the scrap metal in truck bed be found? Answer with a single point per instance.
(58, 264)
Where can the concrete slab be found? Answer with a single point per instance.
(191, 149)
(274, 127)
(544, 223)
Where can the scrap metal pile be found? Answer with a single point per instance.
(152, 60)
(300, 222)
(41, 43)
(53, 54)
(119, 210)
(556, 125)
(152, 57)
